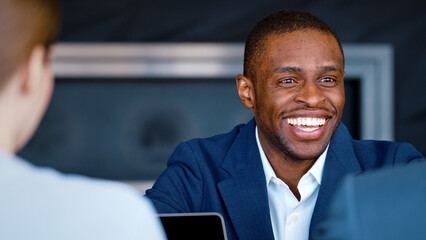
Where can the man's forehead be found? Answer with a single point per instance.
(303, 44)
(299, 37)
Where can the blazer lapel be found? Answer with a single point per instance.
(244, 192)
(340, 161)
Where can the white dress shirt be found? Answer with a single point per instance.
(290, 218)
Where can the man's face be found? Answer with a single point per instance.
(299, 93)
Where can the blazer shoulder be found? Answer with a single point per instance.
(211, 150)
(373, 153)
(216, 144)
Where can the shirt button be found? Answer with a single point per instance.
(294, 218)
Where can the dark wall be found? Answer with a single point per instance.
(399, 23)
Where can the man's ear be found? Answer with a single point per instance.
(245, 89)
(36, 69)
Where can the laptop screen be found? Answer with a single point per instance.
(207, 226)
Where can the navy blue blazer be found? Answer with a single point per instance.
(385, 204)
(224, 174)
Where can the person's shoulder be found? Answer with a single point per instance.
(368, 204)
(377, 153)
(45, 181)
(378, 144)
(222, 138)
(37, 181)
(96, 208)
(390, 191)
(385, 148)
(211, 151)
(372, 146)
(220, 142)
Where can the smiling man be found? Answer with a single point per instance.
(273, 178)
(297, 93)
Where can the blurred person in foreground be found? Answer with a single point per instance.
(273, 177)
(37, 202)
(384, 204)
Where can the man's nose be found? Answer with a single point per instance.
(310, 94)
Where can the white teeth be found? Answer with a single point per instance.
(310, 129)
(306, 121)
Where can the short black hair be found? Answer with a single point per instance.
(284, 21)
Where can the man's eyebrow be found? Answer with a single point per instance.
(288, 70)
(331, 69)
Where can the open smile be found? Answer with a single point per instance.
(308, 128)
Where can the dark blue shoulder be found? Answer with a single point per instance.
(221, 142)
(373, 154)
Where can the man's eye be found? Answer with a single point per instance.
(287, 80)
(327, 80)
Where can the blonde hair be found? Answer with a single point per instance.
(25, 24)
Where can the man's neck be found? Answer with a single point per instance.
(290, 171)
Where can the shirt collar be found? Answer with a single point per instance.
(316, 169)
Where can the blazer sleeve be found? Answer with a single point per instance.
(179, 188)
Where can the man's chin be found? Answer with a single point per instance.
(304, 154)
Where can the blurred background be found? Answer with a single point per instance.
(125, 128)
